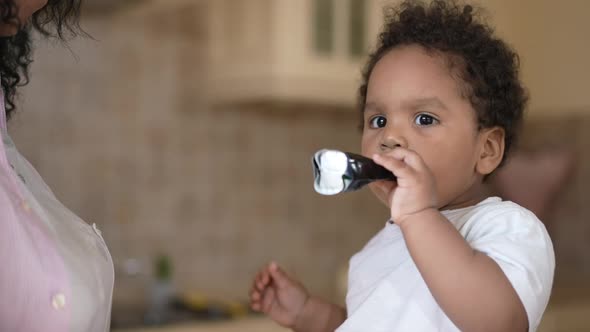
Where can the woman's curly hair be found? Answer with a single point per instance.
(487, 67)
(58, 18)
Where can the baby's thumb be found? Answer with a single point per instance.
(279, 277)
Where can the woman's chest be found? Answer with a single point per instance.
(60, 271)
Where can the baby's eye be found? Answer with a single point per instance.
(425, 120)
(377, 122)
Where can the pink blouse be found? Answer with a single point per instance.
(56, 273)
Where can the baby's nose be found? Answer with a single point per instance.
(389, 143)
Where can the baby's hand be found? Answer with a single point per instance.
(277, 295)
(415, 190)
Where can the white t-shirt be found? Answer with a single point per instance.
(387, 293)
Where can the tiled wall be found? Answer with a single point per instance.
(119, 130)
(568, 219)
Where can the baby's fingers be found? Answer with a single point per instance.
(268, 299)
(279, 277)
(262, 279)
(255, 297)
(399, 168)
(409, 157)
(256, 306)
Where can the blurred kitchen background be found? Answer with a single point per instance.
(184, 129)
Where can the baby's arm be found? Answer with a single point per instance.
(288, 303)
(469, 286)
(320, 316)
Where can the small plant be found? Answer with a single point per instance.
(163, 268)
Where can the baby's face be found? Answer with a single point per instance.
(414, 101)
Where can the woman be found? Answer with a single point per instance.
(56, 273)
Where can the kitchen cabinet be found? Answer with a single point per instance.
(283, 50)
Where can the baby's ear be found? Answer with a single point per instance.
(491, 150)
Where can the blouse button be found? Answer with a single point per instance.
(58, 301)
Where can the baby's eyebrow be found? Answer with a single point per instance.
(371, 107)
(425, 102)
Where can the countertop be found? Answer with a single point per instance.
(569, 318)
(251, 324)
(569, 311)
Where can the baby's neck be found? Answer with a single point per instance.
(474, 195)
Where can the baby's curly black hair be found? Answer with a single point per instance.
(58, 18)
(489, 68)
